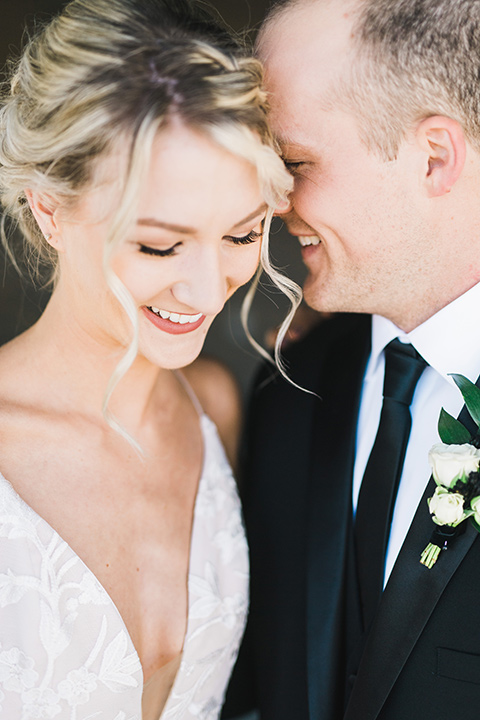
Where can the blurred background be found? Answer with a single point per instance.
(21, 302)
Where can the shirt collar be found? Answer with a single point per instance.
(449, 341)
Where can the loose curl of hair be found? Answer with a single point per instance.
(110, 71)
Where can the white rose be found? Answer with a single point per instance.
(446, 507)
(450, 463)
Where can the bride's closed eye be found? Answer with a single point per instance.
(156, 251)
(251, 237)
(244, 239)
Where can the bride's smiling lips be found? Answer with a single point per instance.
(173, 323)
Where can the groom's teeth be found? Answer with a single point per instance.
(176, 317)
(309, 240)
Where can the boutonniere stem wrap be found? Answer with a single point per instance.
(455, 467)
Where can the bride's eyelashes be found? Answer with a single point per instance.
(156, 251)
(243, 240)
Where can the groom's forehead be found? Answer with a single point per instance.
(307, 49)
(285, 9)
(305, 29)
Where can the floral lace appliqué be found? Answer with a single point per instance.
(65, 652)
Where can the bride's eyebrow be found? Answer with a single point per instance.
(252, 215)
(152, 222)
(183, 230)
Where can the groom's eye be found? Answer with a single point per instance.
(292, 166)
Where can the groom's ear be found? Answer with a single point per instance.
(442, 142)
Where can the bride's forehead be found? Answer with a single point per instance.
(179, 170)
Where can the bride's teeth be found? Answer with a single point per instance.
(176, 317)
(309, 240)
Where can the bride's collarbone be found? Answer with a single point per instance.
(129, 518)
(37, 442)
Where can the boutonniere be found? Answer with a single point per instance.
(455, 469)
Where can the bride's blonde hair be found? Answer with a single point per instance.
(105, 72)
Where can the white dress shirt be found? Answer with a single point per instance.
(450, 343)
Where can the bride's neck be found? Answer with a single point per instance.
(74, 368)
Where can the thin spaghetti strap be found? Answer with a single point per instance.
(190, 392)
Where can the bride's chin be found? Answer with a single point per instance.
(171, 358)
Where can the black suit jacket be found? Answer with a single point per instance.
(422, 656)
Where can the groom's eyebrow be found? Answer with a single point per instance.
(289, 146)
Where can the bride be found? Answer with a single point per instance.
(136, 158)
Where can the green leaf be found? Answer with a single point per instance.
(471, 395)
(475, 524)
(451, 430)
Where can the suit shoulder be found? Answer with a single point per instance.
(338, 328)
(304, 359)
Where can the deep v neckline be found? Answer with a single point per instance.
(65, 648)
(73, 555)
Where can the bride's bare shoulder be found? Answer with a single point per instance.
(218, 393)
(17, 371)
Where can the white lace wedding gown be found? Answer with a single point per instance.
(65, 652)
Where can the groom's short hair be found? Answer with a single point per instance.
(411, 59)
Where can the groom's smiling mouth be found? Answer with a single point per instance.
(306, 240)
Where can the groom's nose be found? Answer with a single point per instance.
(283, 208)
(295, 225)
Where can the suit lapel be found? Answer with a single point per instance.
(400, 622)
(333, 445)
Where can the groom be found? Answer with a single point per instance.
(376, 105)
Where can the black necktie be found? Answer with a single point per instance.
(403, 367)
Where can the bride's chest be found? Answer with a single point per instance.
(77, 644)
(132, 531)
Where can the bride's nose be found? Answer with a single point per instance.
(204, 286)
